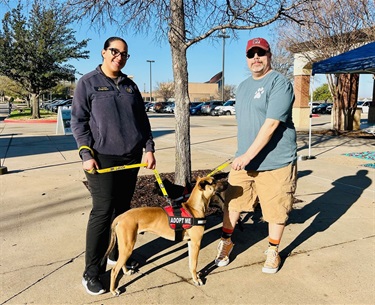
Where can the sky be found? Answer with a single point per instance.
(204, 58)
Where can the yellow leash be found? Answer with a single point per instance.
(220, 167)
(157, 176)
(115, 168)
(123, 167)
(161, 185)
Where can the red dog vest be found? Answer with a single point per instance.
(180, 219)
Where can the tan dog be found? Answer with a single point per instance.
(126, 226)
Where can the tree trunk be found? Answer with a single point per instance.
(346, 101)
(176, 36)
(35, 106)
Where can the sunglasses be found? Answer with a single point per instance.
(260, 52)
(116, 53)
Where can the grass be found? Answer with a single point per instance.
(25, 114)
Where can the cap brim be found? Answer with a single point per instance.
(258, 46)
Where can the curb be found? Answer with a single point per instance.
(30, 121)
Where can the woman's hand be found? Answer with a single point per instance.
(89, 165)
(150, 160)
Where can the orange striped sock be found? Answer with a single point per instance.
(273, 242)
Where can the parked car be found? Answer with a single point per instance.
(329, 109)
(50, 106)
(210, 106)
(169, 108)
(64, 103)
(147, 106)
(196, 110)
(151, 107)
(193, 104)
(321, 108)
(364, 105)
(165, 105)
(226, 109)
(314, 104)
(157, 107)
(44, 104)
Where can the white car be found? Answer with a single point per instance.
(227, 109)
(364, 105)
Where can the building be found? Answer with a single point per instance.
(198, 92)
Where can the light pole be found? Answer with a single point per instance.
(222, 76)
(150, 61)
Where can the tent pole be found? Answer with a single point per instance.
(310, 125)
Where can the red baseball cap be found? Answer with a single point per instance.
(258, 43)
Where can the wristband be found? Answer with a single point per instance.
(88, 148)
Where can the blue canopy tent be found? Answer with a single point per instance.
(360, 60)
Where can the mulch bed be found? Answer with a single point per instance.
(341, 133)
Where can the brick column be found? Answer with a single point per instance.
(301, 109)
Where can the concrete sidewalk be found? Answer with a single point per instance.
(328, 245)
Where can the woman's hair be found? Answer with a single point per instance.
(110, 39)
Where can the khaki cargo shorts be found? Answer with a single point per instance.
(273, 189)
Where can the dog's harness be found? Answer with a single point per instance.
(181, 219)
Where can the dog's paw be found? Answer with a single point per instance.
(127, 271)
(116, 292)
(198, 282)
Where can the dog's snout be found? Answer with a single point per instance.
(221, 186)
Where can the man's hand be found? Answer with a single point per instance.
(240, 162)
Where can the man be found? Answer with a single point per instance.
(264, 167)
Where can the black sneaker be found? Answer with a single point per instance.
(93, 285)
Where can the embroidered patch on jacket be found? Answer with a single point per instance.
(103, 88)
(129, 90)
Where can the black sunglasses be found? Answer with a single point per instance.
(116, 53)
(260, 52)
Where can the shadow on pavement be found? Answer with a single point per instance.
(328, 208)
(12, 145)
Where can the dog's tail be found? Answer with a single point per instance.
(112, 242)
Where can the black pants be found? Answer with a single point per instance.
(111, 195)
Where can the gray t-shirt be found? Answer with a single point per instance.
(269, 97)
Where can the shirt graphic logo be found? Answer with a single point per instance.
(258, 93)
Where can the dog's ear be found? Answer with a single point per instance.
(202, 182)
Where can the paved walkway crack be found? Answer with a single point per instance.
(42, 278)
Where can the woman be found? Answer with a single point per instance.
(111, 128)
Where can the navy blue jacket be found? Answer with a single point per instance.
(110, 118)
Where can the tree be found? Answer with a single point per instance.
(282, 60)
(229, 92)
(13, 89)
(34, 49)
(322, 93)
(165, 90)
(186, 23)
(334, 27)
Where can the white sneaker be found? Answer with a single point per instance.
(273, 260)
(224, 248)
